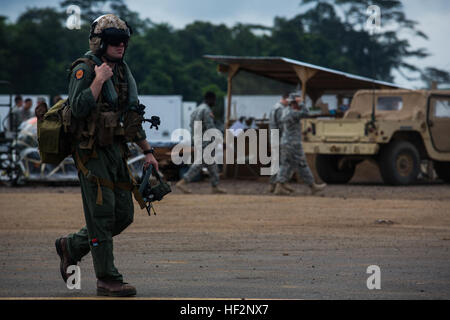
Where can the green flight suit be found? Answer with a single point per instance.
(115, 213)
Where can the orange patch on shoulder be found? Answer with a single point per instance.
(79, 74)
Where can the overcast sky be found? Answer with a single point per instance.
(433, 17)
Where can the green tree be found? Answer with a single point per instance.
(440, 77)
(39, 48)
(387, 48)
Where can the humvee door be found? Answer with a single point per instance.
(439, 122)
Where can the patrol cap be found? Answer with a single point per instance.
(292, 97)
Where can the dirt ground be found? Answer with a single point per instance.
(247, 244)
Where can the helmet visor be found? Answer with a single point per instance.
(115, 37)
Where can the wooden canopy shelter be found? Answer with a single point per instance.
(314, 80)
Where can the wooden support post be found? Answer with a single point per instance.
(340, 100)
(233, 69)
(315, 95)
(304, 75)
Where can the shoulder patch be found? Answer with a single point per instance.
(79, 74)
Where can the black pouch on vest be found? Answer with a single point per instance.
(132, 124)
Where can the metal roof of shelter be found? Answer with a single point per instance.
(293, 71)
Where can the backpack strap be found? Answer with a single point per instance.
(108, 89)
(85, 60)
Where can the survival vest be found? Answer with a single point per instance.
(58, 130)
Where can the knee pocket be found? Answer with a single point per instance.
(124, 207)
(123, 200)
(122, 195)
(104, 226)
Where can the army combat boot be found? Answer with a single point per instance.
(114, 288)
(217, 190)
(182, 186)
(280, 190)
(286, 187)
(66, 260)
(317, 187)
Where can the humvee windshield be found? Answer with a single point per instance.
(389, 103)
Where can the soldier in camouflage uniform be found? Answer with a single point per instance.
(21, 114)
(275, 124)
(292, 157)
(104, 101)
(203, 114)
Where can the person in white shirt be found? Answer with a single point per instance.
(239, 126)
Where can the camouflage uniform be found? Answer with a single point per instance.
(204, 114)
(274, 123)
(19, 115)
(292, 156)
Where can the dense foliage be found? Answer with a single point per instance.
(38, 48)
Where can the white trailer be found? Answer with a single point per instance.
(169, 109)
(259, 106)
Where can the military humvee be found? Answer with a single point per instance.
(397, 129)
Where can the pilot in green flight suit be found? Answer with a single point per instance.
(103, 98)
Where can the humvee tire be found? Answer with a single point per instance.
(327, 167)
(399, 163)
(443, 170)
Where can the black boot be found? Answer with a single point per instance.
(66, 260)
(114, 288)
